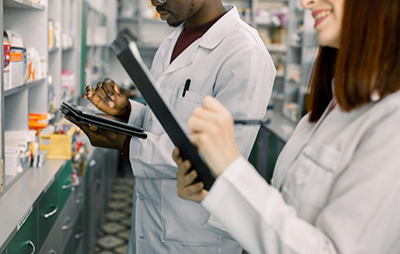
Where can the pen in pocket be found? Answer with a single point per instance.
(263, 121)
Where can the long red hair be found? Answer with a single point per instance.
(367, 61)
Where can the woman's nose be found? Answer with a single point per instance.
(307, 3)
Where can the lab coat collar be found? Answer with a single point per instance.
(221, 28)
(209, 40)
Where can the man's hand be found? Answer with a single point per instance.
(108, 97)
(187, 189)
(101, 138)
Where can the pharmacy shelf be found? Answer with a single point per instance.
(128, 20)
(23, 4)
(23, 87)
(276, 48)
(52, 50)
(68, 49)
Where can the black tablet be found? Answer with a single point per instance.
(87, 116)
(128, 54)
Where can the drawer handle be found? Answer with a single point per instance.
(79, 236)
(68, 225)
(79, 199)
(92, 163)
(47, 215)
(32, 245)
(67, 186)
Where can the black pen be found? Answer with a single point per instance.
(186, 88)
(265, 120)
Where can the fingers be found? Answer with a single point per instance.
(176, 155)
(213, 105)
(183, 169)
(191, 192)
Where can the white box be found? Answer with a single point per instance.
(12, 161)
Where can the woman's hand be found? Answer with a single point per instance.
(108, 97)
(212, 132)
(187, 189)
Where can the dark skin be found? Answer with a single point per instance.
(192, 12)
(113, 100)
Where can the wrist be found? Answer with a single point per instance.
(125, 114)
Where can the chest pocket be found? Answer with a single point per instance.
(184, 105)
(310, 179)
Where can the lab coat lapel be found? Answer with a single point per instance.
(167, 51)
(184, 59)
(208, 41)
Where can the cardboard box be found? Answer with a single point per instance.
(58, 146)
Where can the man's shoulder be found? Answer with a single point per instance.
(243, 35)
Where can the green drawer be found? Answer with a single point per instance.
(48, 211)
(65, 184)
(76, 237)
(26, 239)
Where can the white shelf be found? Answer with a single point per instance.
(154, 21)
(276, 48)
(52, 50)
(128, 20)
(268, 25)
(23, 87)
(22, 4)
(68, 49)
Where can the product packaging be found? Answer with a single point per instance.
(17, 59)
(7, 61)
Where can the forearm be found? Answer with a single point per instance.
(256, 215)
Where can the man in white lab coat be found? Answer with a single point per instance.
(219, 55)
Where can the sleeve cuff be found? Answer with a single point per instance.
(220, 186)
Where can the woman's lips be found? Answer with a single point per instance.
(320, 16)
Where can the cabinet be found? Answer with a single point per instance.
(99, 177)
(64, 217)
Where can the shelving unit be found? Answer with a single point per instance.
(31, 22)
(99, 30)
(301, 54)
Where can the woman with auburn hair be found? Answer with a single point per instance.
(336, 185)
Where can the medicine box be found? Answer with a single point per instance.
(7, 66)
(58, 146)
(17, 59)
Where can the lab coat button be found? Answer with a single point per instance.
(141, 197)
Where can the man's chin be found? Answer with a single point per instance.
(174, 24)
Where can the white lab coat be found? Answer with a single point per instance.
(336, 188)
(229, 62)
